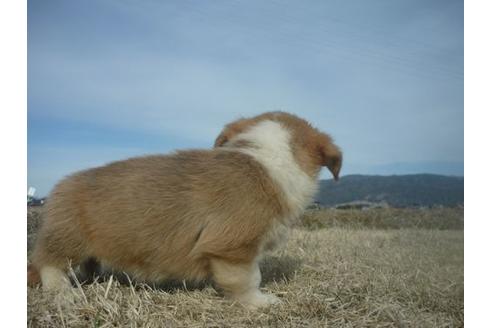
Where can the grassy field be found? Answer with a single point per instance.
(340, 268)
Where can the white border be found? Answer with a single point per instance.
(13, 88)
(478, 218)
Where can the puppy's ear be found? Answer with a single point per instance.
(221, 140)
(331, 156)
(225, 136)
(232, 130)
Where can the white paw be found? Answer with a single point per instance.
(257, 299)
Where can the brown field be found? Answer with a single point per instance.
(340, 268)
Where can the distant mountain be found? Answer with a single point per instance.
(432, 167)
(441, 168)
(396, 190)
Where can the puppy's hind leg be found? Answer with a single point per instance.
(52, 269)
(241, 282)
(52, 259)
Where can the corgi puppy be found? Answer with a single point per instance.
(193, 214)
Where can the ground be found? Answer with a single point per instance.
(340, 268)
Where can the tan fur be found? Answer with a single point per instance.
(189, 215)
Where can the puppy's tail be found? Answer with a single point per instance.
(33, 277)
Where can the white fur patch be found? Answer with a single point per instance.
(272, 149)
(53, 278)
(241, 282)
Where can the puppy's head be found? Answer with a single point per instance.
(311, 148)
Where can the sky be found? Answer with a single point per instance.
(112, 79)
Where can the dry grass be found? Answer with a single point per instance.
(444, 218)
(337, 277)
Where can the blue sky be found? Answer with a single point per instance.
(111, 79)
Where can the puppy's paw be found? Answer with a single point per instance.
(257, 299)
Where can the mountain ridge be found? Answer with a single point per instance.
(406, 190)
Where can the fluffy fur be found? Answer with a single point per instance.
(190, 215)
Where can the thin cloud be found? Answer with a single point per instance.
(384, 78)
